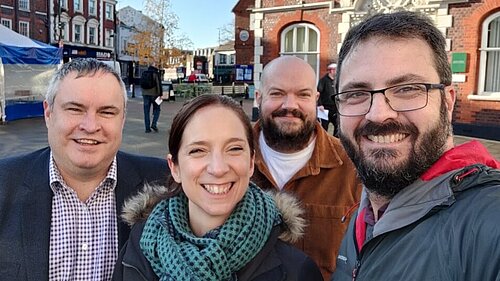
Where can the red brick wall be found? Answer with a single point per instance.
(6, 13)
(108, 24)
(244, 50)
(7, 2)
(38, 24)
(275, 3)
(466, 37)
(275, 23)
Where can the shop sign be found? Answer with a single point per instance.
(458, 62)
(103, 55)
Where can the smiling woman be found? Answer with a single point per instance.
(211, 223)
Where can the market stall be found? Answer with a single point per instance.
(26, 66)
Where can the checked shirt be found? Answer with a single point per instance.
(83, 235)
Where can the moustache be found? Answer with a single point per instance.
(284, 112)
(386, 128)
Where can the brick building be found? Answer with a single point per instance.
(313, 30)
(27, 17)
(85, 28)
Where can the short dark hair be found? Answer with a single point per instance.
(402, 24)
(188, 110)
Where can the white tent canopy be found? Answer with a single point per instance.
(25, 69)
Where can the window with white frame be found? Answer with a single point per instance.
(78, 24)
(92, 30)
(92, 35)
(24, 5)
(302, 40)
(123, 47)
(109, 11)
(64, 4)
(7, 23)
(77, 5)
(222, 59)
(108, 34)
(92, 8)
(77, 33)
(24, 28)
(489, 73)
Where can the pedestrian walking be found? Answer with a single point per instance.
(151, 91)
(326, 89)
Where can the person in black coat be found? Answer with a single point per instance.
(326, 89)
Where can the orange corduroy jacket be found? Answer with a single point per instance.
(328, 187)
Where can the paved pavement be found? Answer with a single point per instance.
(26, 135)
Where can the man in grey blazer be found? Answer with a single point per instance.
(60, 206)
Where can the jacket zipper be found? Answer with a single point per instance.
(355, 270)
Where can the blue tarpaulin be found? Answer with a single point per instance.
(18, 49)
(25, 69)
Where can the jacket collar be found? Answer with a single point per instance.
(436, 187)
(325, 155)
(414, 202)
(138, 208)
(460, 156)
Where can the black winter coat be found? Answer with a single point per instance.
(276, 261)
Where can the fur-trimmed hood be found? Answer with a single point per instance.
(138, 208)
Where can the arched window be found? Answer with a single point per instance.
(78, 31)
(301, 40)
(92, 32)
(489, 72)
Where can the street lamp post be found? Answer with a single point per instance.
(217, 60)
(134, 65)
(59, 24)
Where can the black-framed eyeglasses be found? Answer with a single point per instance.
(405, 97)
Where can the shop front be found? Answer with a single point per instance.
(71, 52)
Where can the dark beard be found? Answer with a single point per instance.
(283, 141)
(387, 181)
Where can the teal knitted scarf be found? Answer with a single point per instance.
(175, 253)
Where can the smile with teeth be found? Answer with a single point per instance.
(218, 188)
(387, 138)
(86, 141)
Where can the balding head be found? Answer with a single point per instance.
(289, 67)
(287, 99)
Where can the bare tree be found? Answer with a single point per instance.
(226, 32)
(156, 40)
(175, 54)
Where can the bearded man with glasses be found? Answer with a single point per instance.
(429, 208)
